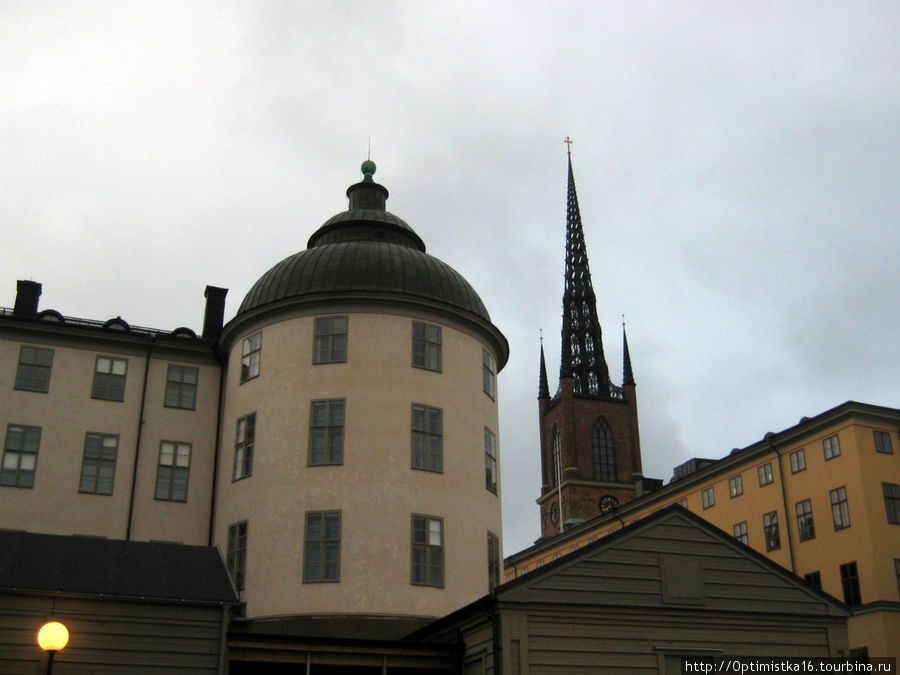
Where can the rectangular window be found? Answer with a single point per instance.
(98, 469)
(33, 373)
(814, 579)
(236, 558)
(427, 438)
(109, 378)
(243, 446)
(798, 461)
(426, 346)
(882, 441)
(326, 432)
(490, 460)
(251, 349)
(805, 525)
(330, 345)
(740, 533)
(770, 527)
(322, 547)
(181, 387)
(736, 486)
(832, 447)
(489, 373)
(173, 471)
(20, 456)
(683, 502)
(840, 510)
(850, 584)
(493, 551)
(709, 497)
(897, 571)
(891, 493)
(765, 474)
(427, 551)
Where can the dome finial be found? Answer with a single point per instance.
(368, 168)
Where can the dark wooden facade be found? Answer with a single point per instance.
(666, 587)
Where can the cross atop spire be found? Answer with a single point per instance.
(568, 143)
(582, 346)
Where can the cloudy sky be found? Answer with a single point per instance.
(737, 164)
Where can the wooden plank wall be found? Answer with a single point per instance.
(111, 636)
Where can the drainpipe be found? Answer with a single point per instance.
(787, 513)
(137, 446)
(215, 474)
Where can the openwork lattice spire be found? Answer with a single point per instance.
(582, 346)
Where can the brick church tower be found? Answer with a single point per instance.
(590, 446)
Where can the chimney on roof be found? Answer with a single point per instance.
(27, 295)
(214, 316)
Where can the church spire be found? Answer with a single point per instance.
(582, 346)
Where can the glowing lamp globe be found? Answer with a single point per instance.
(53, 636)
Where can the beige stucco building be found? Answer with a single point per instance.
(337, 439)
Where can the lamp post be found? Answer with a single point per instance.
(52, 637)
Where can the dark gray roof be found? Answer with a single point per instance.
(365, 250)
(94, 566)
(367, 267)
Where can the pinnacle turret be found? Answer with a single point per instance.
(627, 372)
(543, 386)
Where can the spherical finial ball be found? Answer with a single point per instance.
(368, 167)
(53, 636)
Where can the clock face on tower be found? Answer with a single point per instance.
(608, 502)
(554, 514)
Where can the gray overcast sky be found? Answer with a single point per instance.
(737, 165)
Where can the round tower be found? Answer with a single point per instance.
(358, 467)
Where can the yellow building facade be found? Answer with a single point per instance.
(821, 498)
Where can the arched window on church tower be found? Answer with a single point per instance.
(604, 451)
(557, 458)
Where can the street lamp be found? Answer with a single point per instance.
(52, 637)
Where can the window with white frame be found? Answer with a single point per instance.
(736, 486)
(708, 496)
(765, 474)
